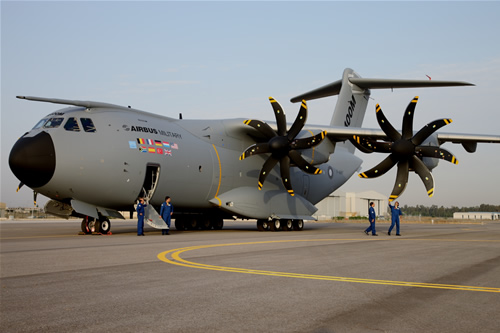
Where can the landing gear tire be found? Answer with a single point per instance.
(205, 224)
(218, 223)
(298, 225)
(191, 223)
(104, 226)
(275, 225)
(179, 224)
(287, 225)
(87, 225)
(262, 225)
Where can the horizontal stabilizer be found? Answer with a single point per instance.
(396, 83)
(333, 89)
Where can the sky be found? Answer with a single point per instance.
(210, 60)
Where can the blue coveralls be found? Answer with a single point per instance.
(371, 218)
(140, 218)
(165, 211)
(395, 212)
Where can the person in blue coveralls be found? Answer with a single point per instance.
(140, 216)
(371, 219)
(166, 212)
(395, 212)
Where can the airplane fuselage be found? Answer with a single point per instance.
(95, 159)
(126, 153)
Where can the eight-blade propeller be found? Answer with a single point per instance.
(405, 150)
(282, 145)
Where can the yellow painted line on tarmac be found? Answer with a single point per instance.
(176, 259)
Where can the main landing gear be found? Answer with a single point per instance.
(196, 222)
(90, 225)
(277, 225)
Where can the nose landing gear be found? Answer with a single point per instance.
(102, 226)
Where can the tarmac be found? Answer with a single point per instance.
(330, 277)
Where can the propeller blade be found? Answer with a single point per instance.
(420, 169)
(385, 125)
(428, 129)
(401, 180)
(285, 174)
(266, 169)
(262, 127)
(370, 146)
(436, 152)
(35, 194)
(305, 166)
(299, 122)
(356, 141)
(21, 184)
(282, 145)
(258, 148)
(407, 131)
(280, 116)
(380, 168)
(309, 142)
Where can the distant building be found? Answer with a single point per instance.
(3, 207)
(477, 215)
(347, 204)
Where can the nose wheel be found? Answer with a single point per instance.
(88, 225)
(102, 226)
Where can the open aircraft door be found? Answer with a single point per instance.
(151, 179)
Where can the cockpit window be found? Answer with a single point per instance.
(53, 122)
(40, 123)
(72, 125)
(88, 125)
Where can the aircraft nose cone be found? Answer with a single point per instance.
(33, 159)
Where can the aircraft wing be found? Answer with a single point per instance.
(468, 141)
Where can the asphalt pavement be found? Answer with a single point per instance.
(330, 277)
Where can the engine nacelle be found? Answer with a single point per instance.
(319, 154)
(430, 162)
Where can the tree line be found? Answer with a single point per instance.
(435, 211)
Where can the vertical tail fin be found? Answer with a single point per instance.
(354, 93)
(351, 104)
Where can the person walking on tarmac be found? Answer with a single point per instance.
(371, 219)
(140, 216)
(166, 212)
(395, 212)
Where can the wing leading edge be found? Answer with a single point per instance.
(339, 134)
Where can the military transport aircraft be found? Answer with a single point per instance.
(95, 159)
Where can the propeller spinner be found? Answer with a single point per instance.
(282, 145)
(405, 149)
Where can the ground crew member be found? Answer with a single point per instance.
(166, 212)
(140, 217)
(395, 212)
(371, 219)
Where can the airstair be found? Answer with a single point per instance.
(154, 219)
